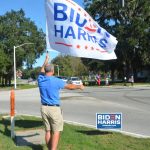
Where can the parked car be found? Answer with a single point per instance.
(64, 78)
(30, 80)
(75, 80)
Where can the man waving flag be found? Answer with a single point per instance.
(71, 30)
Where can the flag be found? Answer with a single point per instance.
(72, 31)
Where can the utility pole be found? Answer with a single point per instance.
(122, 3)
(15, 83)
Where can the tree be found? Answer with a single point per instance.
(3, 66)
(31, 73)
(70, 66)
(130, 24)
(16, 29)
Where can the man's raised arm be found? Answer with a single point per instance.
(45, 63)
(73, 86)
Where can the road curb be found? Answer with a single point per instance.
(93, 127)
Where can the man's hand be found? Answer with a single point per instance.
(81, 87)
(73, 87)
(46, 59)
(45, 62)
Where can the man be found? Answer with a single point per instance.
(49, 87)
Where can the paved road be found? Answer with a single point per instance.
(82, 106)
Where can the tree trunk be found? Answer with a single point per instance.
(9, 81)
(0, 79)
(3, 80)
(112, 74)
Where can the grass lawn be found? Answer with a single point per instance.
(129, 84)
(72, 138)
(29, 86)
(26, 86)
(19, 87)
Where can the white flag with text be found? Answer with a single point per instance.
(71, 30)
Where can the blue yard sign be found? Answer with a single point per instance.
(109, 120)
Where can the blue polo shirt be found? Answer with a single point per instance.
(49, 87)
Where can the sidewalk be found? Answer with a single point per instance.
(30, 137)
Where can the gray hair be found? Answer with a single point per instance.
(49, 68)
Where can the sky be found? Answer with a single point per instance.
(35, 10)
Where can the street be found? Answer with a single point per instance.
(82, 106)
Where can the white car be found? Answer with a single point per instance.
(65, 79)
(75, 80)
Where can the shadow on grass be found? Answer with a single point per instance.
(94, 132)
(23, 124)
(6, 130)
(28, 123)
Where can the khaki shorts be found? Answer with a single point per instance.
(52, 118)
